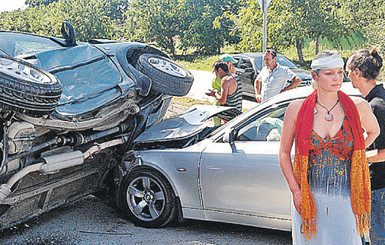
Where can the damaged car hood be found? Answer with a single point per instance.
(182, 126)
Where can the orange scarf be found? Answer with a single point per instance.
(359, 175)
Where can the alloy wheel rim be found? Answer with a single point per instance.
(145, 198)
(167, 67)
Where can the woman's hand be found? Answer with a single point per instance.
(297, 200)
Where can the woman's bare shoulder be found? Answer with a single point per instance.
(361, 103)
(294, 107)
(358, 100)
(296, 104)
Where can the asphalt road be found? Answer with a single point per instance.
(94, 221)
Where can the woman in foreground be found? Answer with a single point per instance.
(330, 177)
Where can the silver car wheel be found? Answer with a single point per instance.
(167, 67)
(27, 89)
(145, 198)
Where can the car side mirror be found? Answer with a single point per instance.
(229, 137)
(68, 32)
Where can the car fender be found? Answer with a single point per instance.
(179, 167)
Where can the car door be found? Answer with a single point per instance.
(247, 178)
(246, 74)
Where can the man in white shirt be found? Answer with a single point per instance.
(273, 77)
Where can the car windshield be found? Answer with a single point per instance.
(282, 60)
(15, 44)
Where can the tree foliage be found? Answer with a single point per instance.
(156, 21)
(207, 29)
(35, 3)
(89, 18)
(290, 22)
(367, 16)
(187, 23)
(205, 25)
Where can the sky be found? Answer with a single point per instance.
(9, 5)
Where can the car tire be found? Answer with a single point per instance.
(27, 89)
(147, 199)
(167, 76)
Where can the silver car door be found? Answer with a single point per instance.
(248, 179)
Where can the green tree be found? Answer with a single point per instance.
(207, 29)
(368, 17)
(290, 22)
(35, 3)
(156, 21)
(90, 18)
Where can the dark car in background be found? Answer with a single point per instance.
(70, 110)
(249, 65)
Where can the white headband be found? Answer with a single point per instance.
(329, 62)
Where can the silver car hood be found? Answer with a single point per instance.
(181, 126)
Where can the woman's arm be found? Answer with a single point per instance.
(368, 121)
(287, 139)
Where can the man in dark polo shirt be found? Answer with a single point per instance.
(363, 67)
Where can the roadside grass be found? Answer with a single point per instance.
(188, 102)
(181, 104)
(193, 62)
(202, 62)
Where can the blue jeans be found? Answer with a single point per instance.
(377, 232)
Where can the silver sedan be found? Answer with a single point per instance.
(181, 168)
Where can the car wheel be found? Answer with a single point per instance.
(148, 199)
(167, 76)
(26, 88)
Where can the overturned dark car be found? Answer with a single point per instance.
(70, 111)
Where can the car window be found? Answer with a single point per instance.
(283, 61)
(267, 127)
(27, 47)
(245, 63)
(237, 59)
(16, 44)
(258, 62)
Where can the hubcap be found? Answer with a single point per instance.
(145, 198)
(21, 71)
(167, 67)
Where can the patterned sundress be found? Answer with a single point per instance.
(329, 181)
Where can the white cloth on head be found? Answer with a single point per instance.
(329, 62)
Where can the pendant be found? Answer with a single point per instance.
(315, 111)
(329, 117)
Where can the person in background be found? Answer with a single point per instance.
(230, 93)
(363, 67)
(273, 77)
(330, 180)
(216, 82)
(229, 60)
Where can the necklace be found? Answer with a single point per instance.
(328, 117)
